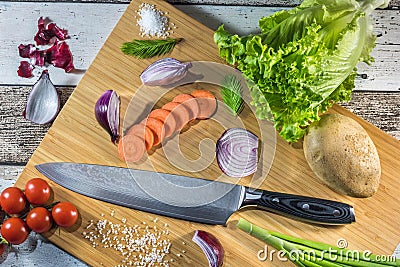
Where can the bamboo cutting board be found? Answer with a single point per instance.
(75, 136)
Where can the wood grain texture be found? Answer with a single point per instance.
(76, 136)
(19, 137)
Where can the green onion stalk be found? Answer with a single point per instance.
(304, 252)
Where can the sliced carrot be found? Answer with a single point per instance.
(131, 148)
(157, 127)
(207, 103)
(144, 132)
(167, 119)
(190, 103)
(180, 113)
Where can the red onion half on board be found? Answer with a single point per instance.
(237, 152)
(107, 113)
(43, 101)
(211, 247)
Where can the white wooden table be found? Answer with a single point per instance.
(377, 96)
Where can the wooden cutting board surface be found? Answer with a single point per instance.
(75, 136)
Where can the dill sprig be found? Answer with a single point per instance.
(231, 91)
(149, 48)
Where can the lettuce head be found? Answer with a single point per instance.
(303, 60)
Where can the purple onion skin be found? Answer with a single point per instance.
(151, 76)
(210, 244)
(101, 109)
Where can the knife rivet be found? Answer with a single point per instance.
(306, 206)
(275, 199)
(336, 213)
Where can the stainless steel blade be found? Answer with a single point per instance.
(176, 196)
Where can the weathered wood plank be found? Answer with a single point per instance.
(86, 38)
(18, 23)
(19, 138)
(283, 3)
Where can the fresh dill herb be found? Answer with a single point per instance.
(149, 48)
(231, 91)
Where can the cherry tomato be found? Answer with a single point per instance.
(14, 230)
(13, 200)
(64, 214)
(37, 191)
(39, 220)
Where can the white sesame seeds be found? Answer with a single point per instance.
(152, 22)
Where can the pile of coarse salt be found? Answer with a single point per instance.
(139, 245)
(152, 22)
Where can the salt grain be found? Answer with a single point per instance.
(152, 22)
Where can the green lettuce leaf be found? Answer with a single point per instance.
(303, 60)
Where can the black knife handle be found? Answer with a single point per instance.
(303, 208)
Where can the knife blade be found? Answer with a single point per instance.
(187, 198)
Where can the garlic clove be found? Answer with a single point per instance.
(43, 102)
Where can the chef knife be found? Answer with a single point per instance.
(187, 198)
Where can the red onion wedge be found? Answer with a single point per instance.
(43, 101)
(237, 152)
(164, 72)
(211, 247)
(107, 113)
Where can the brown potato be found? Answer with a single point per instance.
(341, 153)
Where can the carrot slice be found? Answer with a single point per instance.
(167, 119)
(207, 103)
(180, 113)
(144, 132)
(157, 127)
(190, 103)
(131, 148)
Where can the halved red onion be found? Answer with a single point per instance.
(107, 113)
(211, 247)
(237, 152)
(43, 101)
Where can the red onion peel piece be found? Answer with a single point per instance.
(237, 152)
(25, 69)
(60, 56)
(107, 113)
(211, 247)
(48, 32)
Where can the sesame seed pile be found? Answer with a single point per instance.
(152, 22)
(140, 245)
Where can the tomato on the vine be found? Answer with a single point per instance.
(14, 230)
(13, 200)
(64, 214)
(37, 191)
(39, 220)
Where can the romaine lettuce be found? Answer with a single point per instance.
(303, 60)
